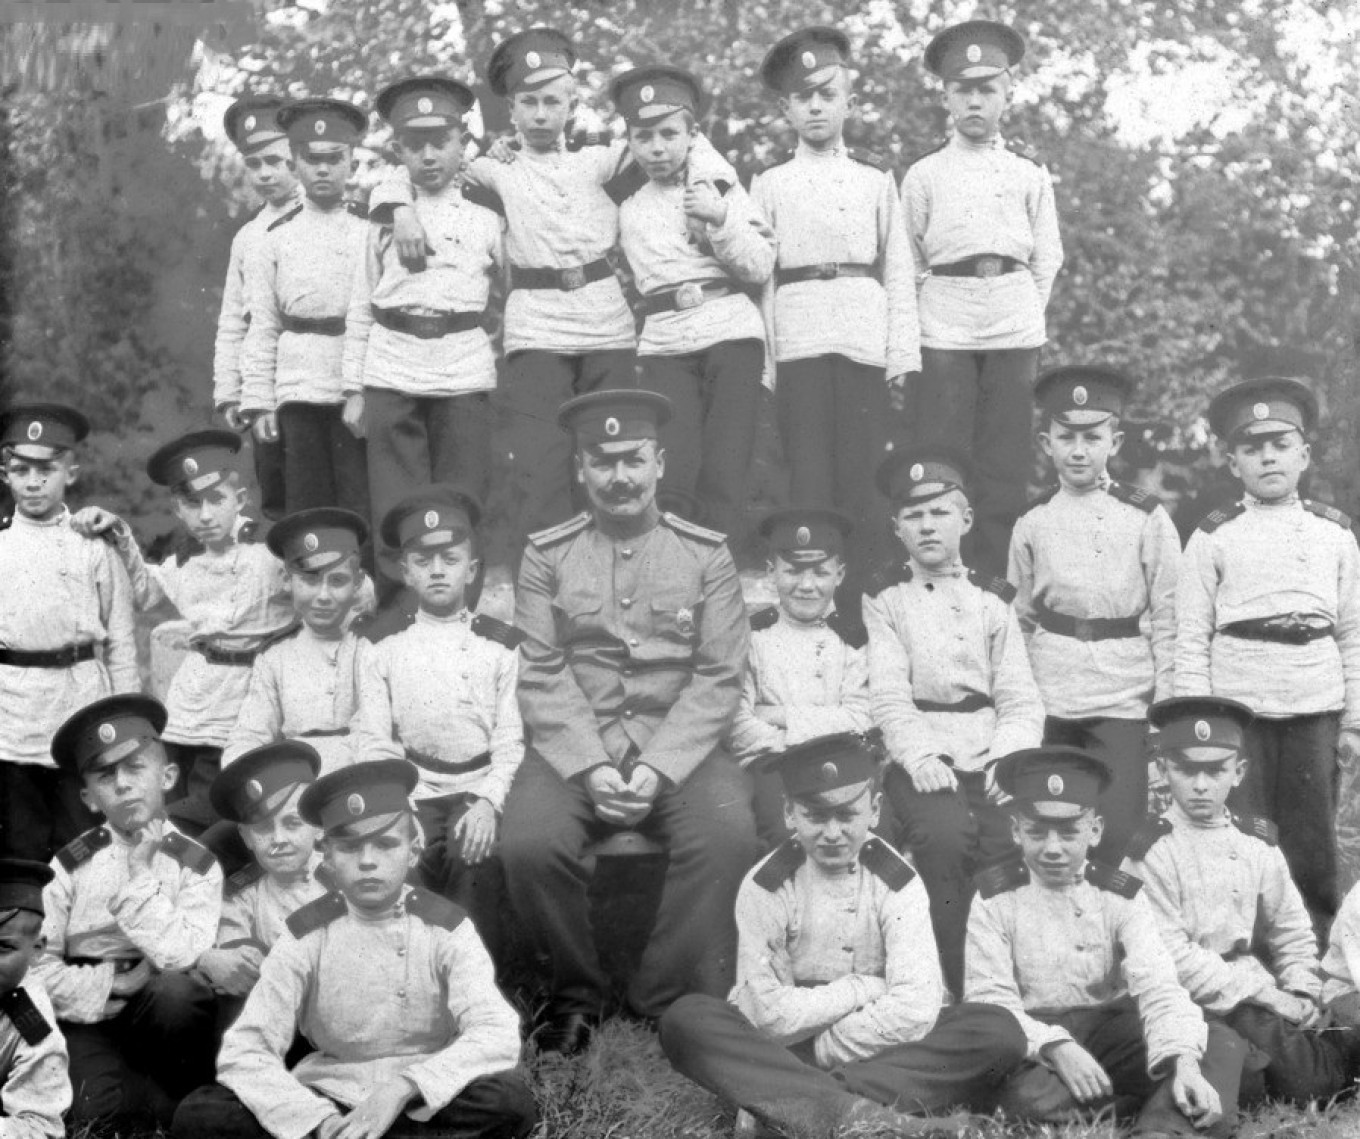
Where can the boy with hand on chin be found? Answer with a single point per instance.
(1237, 928)
(131, 908)
(1067, 945)
(389, 983)
(837, 1016)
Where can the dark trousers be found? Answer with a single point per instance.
(1122, 744)
(1292, 777)
(1301, 1067)
(413, 442)
(980, 403)
(535, 385)
(40, 811)
(190, 808)
(323, 463)
(490, 1107)
(1113, 1034)
(950, 836)
(962, 1060)
(833, 418)
(705, 824)
(711, 435)
(479, 889)
(269, 477)
(154, 1052)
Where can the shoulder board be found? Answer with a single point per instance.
(882, 861)
(1146, 837)
(487, 199)
(779, 867)
(247, 876)
(1043, 497)
(375, 627)
(1002, 878)
(1216, 518)
(852, 632)
(1324, 510)
(690, 530)
(1106, 877)
(764, 618)
(316, 915)
(84, 847)
(493, 630)
(998, 585)
(779, 159)
(939, 146)
(26, 1017)
(887, 577)
(866, 158)
(185, 546)
(625, 183)
(434, 910)
(1144, 500)
(1258, 827)
(358, 209)
(560, 533)
(285, 219)
(188, 853)
(579, 140)
(1023, 150)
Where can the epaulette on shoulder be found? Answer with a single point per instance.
(242, 880)
(278, 636)
(1215, 518)
(850, 631)
(561, 532)
(1106, 877)
(692, 530)
(358, 209)
(1024, 150)
(1002, 878)
(883, 862)
(1144, 500)
(26, 1017)
(486, 198)
(188, 853)
(316, 915)
(866, 158)
(1258, 827)
(1043, 498)
(434, 910)
(83, 847)
(625, 183)
(927, 153)
(492, 629)
(998, 585)
(1327, 511)
(764, 618)
(1146, 837)
(579, 140)
(375, 627)
(284, 219)
(886, 577)
(779, 867)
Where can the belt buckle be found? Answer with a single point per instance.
(1083, 629)
(989, 266)
(689, 295)
(573, 278)
(828, 271)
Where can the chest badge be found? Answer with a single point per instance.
(684, 620)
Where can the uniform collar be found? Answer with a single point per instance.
(1255, 503)
(806, 626)
(968, 145)
(19, 518)
(956, 570)
(1181, 819)
(837, 151)
(462, 617)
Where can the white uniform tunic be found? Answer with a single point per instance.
(35, 1087)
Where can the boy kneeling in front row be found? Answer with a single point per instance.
(389, 983)
(837, 1007)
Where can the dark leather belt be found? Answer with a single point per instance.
(568, 280)
(983, 265)
(689, 295)
(1086, 628)
(974, 703)
(429, 763)
(1278, 630)
(323, 733)
(314, 325)
(215, 655)
(63, 657)
(825, 271)
(426, 327)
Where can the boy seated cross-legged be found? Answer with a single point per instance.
(837, 1017)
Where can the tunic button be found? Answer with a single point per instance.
(633, 641)
(401, 992)
(626, 602)
(401, 952)
(626, 553)
(628, 713)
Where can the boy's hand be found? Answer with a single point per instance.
(232, 971)
(1296, 1010)
(373, 1117)
(266, 427)
(329, 1126)
(503, 150)
(132, 981)
(92, 521)
(1079, 1071)
(408, 235)
(1194, 1095)
(1348, 746)
(474, 833)
(703, 203)
(146, 840)
(353, 415)
(231, 415)
(900, 389)
(933, 775)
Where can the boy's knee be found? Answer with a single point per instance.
(179, 1001)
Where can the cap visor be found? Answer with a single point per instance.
(536, 79)
(1202, 755)
(1262, 427)
(979, 71)
(1052, 810)
(1082, 418)
(40, 452)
